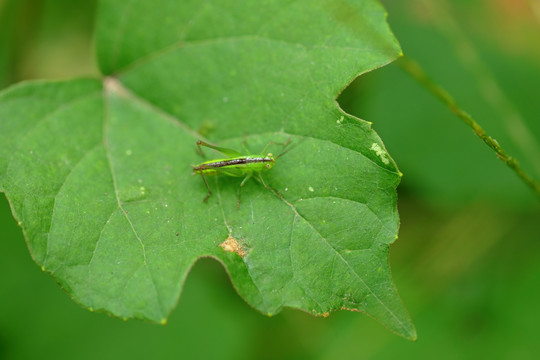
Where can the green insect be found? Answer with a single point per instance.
(236, 164)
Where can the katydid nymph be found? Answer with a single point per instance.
(236, 164)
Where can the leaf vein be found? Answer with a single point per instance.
(119, 202)
(81, 159)
(351, 269)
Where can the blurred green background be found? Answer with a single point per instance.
(467, 263)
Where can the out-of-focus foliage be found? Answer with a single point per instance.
(46, 39)
(441, 159)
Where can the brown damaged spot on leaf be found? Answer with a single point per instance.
(232, 245)
(349, 309)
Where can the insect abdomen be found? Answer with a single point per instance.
(253, 163)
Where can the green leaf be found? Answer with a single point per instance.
(98, 172)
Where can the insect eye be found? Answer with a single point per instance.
(268, 166)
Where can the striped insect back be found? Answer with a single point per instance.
(250, 163)
(235, 165)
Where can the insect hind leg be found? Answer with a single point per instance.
(199, 149)
(284, 144)
(244, 146)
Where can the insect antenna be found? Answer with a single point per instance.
(288, 148)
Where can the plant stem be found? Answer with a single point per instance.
(414, 69)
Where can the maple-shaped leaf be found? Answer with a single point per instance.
(99, 171)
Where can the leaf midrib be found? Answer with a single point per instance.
(106, 116)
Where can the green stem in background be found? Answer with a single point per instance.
(414, 69)
(489, 89)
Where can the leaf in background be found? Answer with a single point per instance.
(7, 10)
(98, 172)
(442, 160)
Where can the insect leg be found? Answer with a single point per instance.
(249, 175)
(262, 182)
(275, 143)
(260, 178)
(199, 149)
(228, 152)
(244, 146)
(208, 187)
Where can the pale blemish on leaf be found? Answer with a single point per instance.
(380, 152)
(311, 189)
(232, 245)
